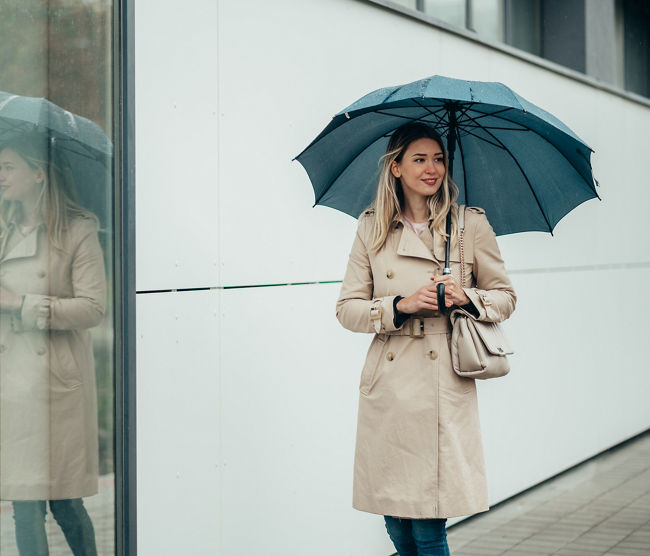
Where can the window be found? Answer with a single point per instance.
(57, 280)
(636, 46)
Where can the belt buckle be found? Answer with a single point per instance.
(418, 332)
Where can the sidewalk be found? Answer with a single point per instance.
(600, 507)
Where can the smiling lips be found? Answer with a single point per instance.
(430, 181)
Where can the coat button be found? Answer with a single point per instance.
(390, 356)
(433, 354)
(41, 274)
(389, 274)
(41, 351)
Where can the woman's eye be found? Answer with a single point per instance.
(439, 160)
(419, 160)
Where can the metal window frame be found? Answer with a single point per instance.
(124, 284)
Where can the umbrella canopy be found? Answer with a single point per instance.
(83, 143)
(521, 164)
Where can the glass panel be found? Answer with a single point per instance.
(407, 3)
(487, 18)
(449, 11)
(56, 278)
(636, 39)
(523, 25)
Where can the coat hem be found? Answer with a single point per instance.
(423, 514)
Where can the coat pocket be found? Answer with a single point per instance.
(373, 362)
(63, 364)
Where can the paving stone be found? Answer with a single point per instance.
(602, 506)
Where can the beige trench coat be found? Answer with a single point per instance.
(48, 407)
(418, 451)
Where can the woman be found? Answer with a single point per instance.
(418, 455)
(52, 291)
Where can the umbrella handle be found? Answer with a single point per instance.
(441, 299)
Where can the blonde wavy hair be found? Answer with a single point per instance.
(58, 201)
(389, 201)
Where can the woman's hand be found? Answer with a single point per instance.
(9, 301)
(454, 294)
(425, 298)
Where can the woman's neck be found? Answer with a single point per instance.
(31, 215)
(416, 210)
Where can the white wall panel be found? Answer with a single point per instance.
(290, 377)
(178, 423)
(283, 87)
(176, 144)
(579, 379)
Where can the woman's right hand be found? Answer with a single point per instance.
(425, 298)
(9, 301)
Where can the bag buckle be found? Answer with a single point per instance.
(416, 331)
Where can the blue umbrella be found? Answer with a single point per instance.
(86, 148)
(518, 162)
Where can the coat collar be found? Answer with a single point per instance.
(412, 245)
(26, 247)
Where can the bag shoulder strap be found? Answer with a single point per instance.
(461, 247)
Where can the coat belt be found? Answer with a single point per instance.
(417, 327)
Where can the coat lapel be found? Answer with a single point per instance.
(24, 248)
(410, 245)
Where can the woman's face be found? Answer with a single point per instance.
(422, 168)
(18, 180)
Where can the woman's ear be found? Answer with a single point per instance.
(394, 169)
(40, 176)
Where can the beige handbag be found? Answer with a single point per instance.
(478, 349)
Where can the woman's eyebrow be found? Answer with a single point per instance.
(425, 154)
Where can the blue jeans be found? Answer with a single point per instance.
(418, 537)
(71, 516)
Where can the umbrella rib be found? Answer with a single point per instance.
(462, 155)
(432, 112)
(498, 146)
(473, 120)
(495, 113)
(550, 228)
(591, 185)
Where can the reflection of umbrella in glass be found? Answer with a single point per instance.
(83, 144)
(519, 163)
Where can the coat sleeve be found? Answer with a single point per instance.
(356, 308)
(86, 307)
(493, 296)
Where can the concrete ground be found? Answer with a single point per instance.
(599, 507)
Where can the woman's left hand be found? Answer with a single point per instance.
(454, 294)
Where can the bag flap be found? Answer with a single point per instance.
(493, 337)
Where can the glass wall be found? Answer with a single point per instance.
(56, 278)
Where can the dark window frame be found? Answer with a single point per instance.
(124, 259)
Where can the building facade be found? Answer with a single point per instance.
(234, 386)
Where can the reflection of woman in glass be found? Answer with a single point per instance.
(52, 291)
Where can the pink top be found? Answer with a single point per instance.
(417, 227)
